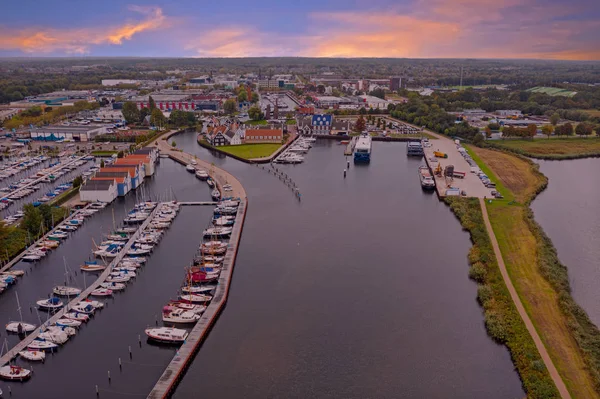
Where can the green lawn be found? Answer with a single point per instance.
(249, 151)
(290, 122)
(256, 123)
(555, 148)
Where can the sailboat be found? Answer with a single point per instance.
(33, 355)
(18, 326)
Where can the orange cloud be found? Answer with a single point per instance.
(238, 42)
(78, 41)
(380, 35)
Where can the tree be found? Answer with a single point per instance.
(567, 129)
(362, 111)
(229, 106)
(547, 130)
(478, 139)
(554, 119)
(46, 212)
(531, 130)
(151, 103)
(379, 93)
(120, 154)
(242, 96)
(157, 118)
(173, 144)
(130, 112)
(360, 124)
(79, 180)
(144, 112)
(32, 220)
(255, 114)
(584, 129)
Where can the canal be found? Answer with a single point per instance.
(567, 211)
(84, 361)
(359, 290)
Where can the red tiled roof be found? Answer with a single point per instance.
(256, 133)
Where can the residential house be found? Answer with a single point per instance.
(234, 137)
(255, 136)
(217, 137)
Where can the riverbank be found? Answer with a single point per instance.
(538, 276)
(502, 320)
(551, 149)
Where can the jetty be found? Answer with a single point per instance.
(350, 147)
(175, 370)
(12, 353)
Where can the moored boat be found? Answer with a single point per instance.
(33, 355)
(195, 298)
(101, 292)
(19, 327)
(38, 344)
(51, 304)
(62, 290)
(179, 316)
(167, 335)
(14, 373)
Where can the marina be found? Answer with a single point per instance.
(259, 273)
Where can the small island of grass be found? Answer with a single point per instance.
(250, 151)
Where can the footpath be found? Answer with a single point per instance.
(560, 385)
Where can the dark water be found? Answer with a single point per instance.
(567, 211)
(358, 291)
(84, 361)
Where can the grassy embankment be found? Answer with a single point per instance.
(502, 320)
(250, 151)
(556, 148)
(540, 279)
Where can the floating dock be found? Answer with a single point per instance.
(350, 147)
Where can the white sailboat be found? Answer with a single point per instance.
(33, 355)
(18, 326)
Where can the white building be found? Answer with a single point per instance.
(373, 102)
(116, 82)
(98, 190)
(67, 133)
(506, 113)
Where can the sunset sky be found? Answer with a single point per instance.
(550, 29)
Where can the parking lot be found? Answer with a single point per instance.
(471, 185)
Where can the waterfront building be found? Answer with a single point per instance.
(98, 190)
(255, 136)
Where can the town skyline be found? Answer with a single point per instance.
(530, 29)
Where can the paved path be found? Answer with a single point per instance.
(560, 385)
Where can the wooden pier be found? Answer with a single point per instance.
(213, 203)
(12, 353)
(350, 147)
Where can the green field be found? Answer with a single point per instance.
(250, 151)
(552, 91)
(540, 280)
(559, 148)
